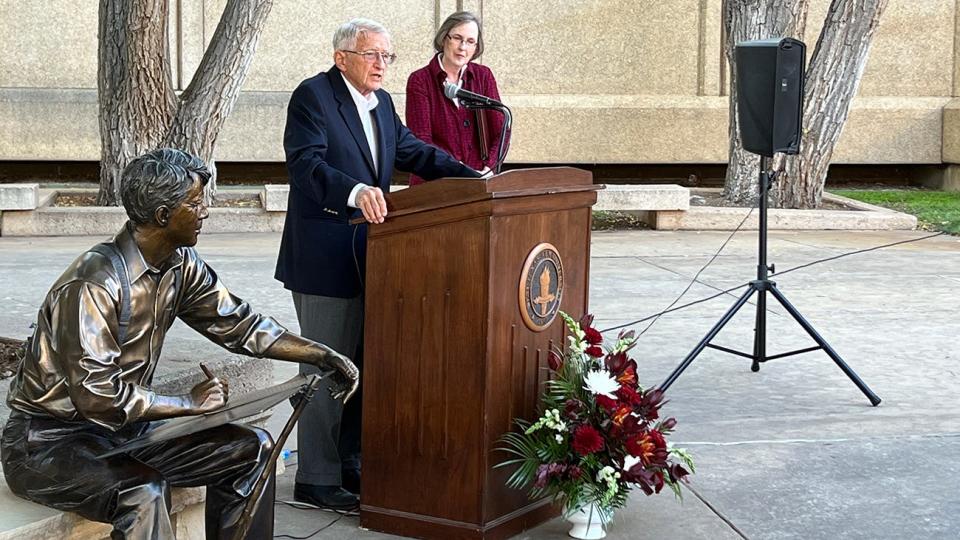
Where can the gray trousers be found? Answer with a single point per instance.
(328, 434)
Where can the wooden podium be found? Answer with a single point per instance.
(451, 358)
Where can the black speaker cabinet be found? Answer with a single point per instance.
(770, 75)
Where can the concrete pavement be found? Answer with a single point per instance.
(794, 451)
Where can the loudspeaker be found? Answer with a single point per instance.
(770, 75)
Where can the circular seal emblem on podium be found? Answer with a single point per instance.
(541, 287)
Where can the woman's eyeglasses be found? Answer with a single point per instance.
(460, 40)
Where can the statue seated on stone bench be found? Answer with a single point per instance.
(83, 387)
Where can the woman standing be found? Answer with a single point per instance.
(472, 136)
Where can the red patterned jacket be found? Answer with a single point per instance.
(436, 120)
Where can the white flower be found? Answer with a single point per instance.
(630, 461)
(550, 419)
(559, 438)
(604, 473)
(601, 383)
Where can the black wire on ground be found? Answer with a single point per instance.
(721, 293)
(314, 533)
(718, 513)
(697, 275)
(861, 251)
(307, 506)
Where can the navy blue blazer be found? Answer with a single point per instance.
(327, 155)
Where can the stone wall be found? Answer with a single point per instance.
(590, 81)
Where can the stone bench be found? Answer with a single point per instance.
(19, 196)
(23, 520)
(635, 199)
(658, 204)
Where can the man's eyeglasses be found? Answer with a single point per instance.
(460, 40)
(372, 56)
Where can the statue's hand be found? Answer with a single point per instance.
(344, 379)
(208, 395)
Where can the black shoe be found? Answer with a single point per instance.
(332, 497)
(350, 480)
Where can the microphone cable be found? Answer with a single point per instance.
(697, 275)
(727, 291)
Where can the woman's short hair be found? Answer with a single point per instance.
(159, 178)
(454, 21)
(346, 37)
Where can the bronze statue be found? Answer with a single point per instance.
(84, 385)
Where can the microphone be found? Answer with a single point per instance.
(453, 91)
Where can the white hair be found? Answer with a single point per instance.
(346, 36)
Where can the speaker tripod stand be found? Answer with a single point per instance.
(761, 286)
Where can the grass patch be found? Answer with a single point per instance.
(935, 210)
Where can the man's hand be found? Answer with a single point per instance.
(371, 202)
(209, 395)
(345, 378)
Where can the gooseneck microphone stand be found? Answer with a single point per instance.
(507, 126)
(761, 286)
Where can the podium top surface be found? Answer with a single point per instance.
(516, 183)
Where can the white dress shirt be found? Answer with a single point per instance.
(365, 107)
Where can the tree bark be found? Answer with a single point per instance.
(746, 20)
(215, 87)
(135, 89)
(832, 81)
(138, 108)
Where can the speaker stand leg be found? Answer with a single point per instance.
(709, 337)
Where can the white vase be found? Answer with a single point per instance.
(588, 523)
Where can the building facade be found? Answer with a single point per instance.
(589, 81)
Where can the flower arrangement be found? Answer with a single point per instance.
(600, 434)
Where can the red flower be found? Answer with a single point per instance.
(629, 395)
(629, 375)
(621, 413)
(586, 322)
(594, 351)
(650, 447)
(616, 362)
(554, 360)
(631, 426)
(650, 405)
(608, 404)
(587, 440)
(572, 408)
(593, 337)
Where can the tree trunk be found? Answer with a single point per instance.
(212, 93)
(831, 84)
(746, 20)
(139, 110)
(135, 89)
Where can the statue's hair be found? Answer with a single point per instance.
(162, 177)
(346, 37)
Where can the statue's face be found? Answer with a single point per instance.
(186, 220)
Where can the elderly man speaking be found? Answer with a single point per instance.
(343, 139)
(84, 386)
